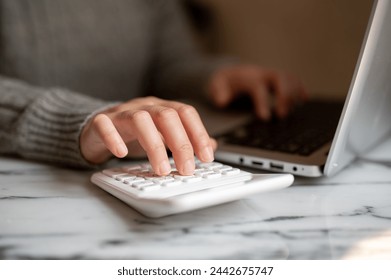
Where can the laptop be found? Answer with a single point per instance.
(321, 138)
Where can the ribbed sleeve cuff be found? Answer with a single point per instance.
(50, 127)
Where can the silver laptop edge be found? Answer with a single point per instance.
(366, 116)
(362, 113)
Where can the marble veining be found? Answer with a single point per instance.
(49, 212)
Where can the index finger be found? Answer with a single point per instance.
(195, 129)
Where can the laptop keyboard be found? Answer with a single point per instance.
(308, 128)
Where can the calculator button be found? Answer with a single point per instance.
(203, 173)
(188, 179)
(172, 183)
(132, 168)
(163, 180)
(132, 180)
(113, 172)
(181, 177)
(145, 165)
(233, 171)
(192, 179)
(144, 173)
(210, 165)
(222, 168)
(135, 180)
(141, 184)
(212, 175)
(124, 177)
(148, 175)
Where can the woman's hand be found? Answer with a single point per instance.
(153, 123)
(259, 83)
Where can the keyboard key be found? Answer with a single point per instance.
(303, 132)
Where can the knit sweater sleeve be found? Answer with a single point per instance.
(180, 69)
(43, 124)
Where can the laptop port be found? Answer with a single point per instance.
(276, 166)
(257, 163)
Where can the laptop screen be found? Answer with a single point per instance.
(321, 42)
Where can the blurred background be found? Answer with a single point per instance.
(317, 40)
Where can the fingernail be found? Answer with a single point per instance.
(165, 168)
(188, 167)
(207, 154)
(122, 150)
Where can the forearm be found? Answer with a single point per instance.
(43, 124)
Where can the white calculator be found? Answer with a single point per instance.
(212, 183)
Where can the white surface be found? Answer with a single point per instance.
(49, 212)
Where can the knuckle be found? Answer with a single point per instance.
(166, 113)
(145, 101)
(155, 148)
(138, 115)
(103, 125)
(187, 110)
(185, 148)
(151, 100)
(99, 118)
(125, 114)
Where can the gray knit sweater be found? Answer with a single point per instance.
(62, 61)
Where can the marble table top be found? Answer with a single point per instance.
(49, 212)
